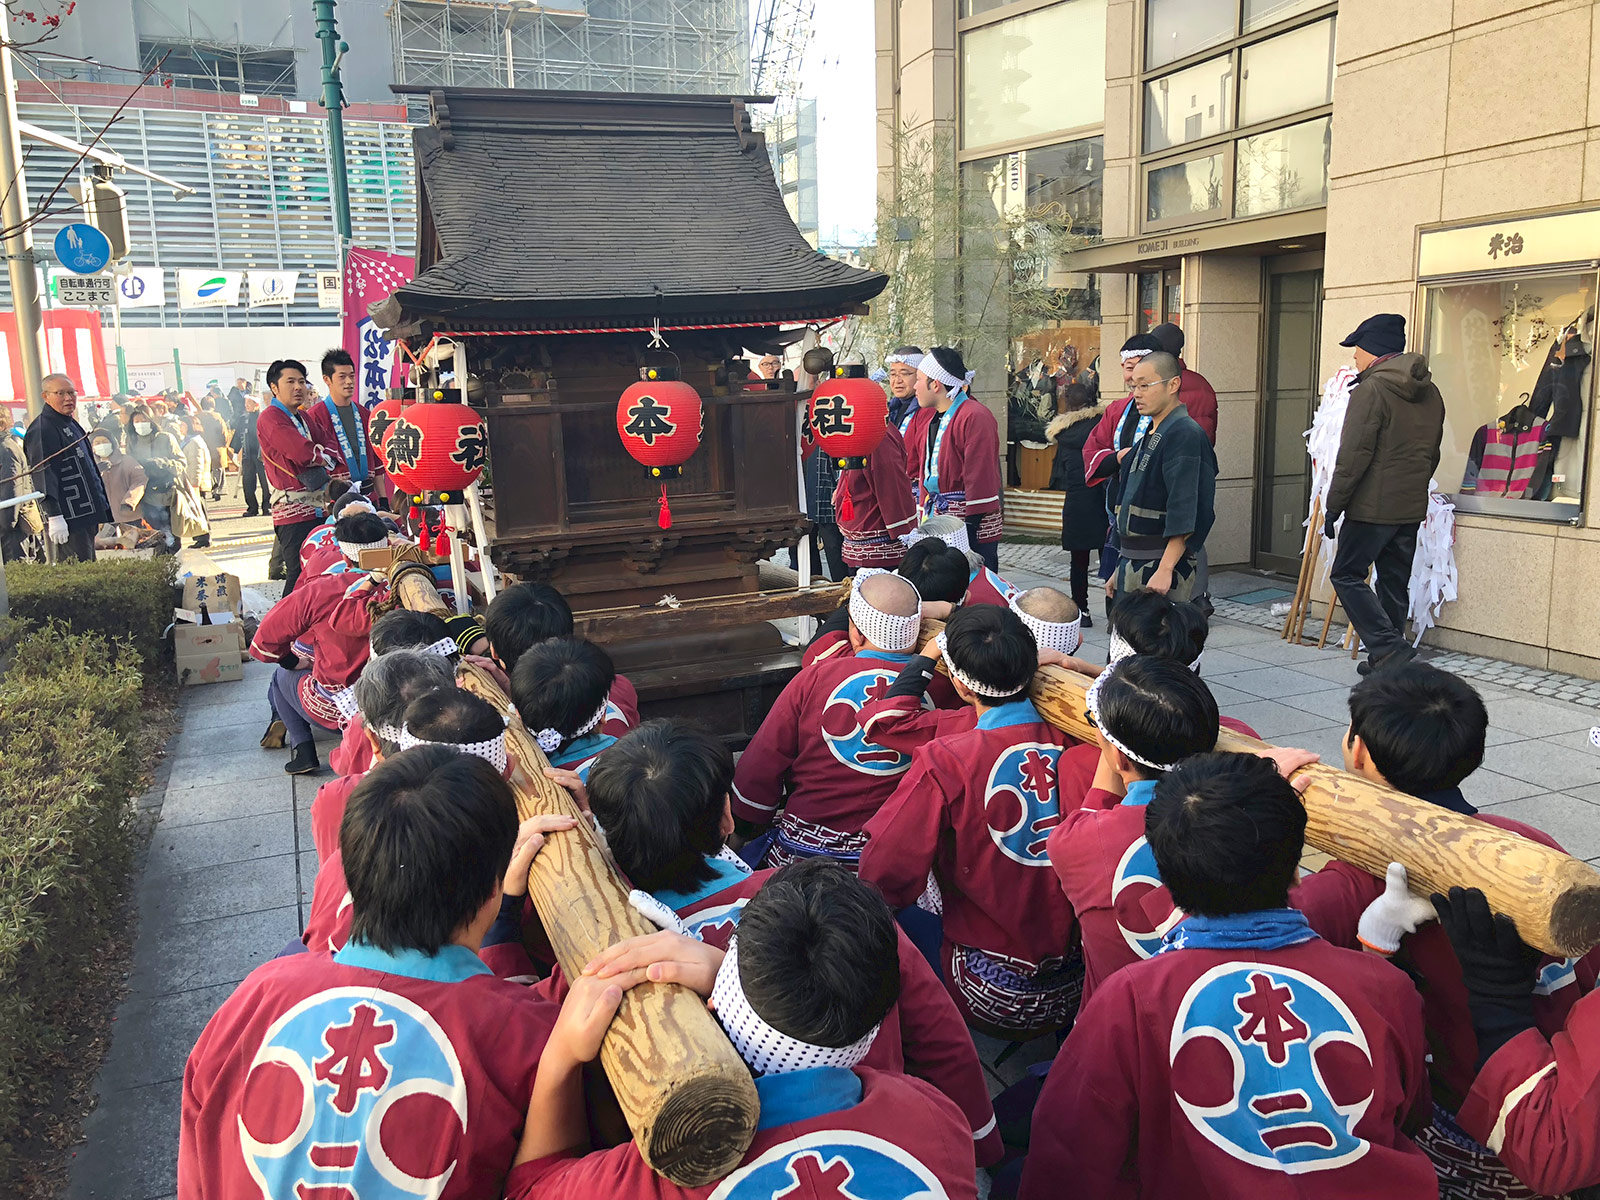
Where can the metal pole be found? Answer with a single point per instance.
(18, 242)
(122, 357)
(177, 370)
(333, 100)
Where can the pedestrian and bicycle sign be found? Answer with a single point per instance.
(82, 249)
(85, 291)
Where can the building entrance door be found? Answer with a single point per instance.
(1289, 396)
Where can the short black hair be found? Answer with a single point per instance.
(949, 358)
(938, 570)
(453, 717)
(560, 683)
(426, 838)
(994, 647)
(402, 629)
(1141, 341)
(1424, 728)
(907, 350)
(360, 528)
(335, 358)
(819, 958)
(280, 365)
(1166, 366)
(523, 615)
(1153, 622)
(1159, 709)
(1227, 832)
(659, 793)
(1169, 337)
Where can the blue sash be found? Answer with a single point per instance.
(299, 421)
(1267, 929)
(359, 454)
(930, 483)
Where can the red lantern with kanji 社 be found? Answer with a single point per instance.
(659, 420)
(849, 418)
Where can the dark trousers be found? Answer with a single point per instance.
(1080, 579)
(250, 470)
(988, 551)
(830, 540)
(11, 544)
(1380, 618)
(283, 694)
(289, 538)
(79, 546)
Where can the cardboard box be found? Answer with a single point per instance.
(207, 653)
(219, 593)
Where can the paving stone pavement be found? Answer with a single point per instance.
(228, 875)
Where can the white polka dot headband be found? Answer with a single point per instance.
(1091, 705)
(1065, 636)
(887, 631)
(965, 680)
(492, 750)
(930, 367)
(445, 648)
(905, 360)
(1121, 649)
(550, 739)
(1134, 355)
(764, 1048)
(352, 550)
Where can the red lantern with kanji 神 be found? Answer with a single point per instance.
(380, 417)
(436, 448)
(659, 420)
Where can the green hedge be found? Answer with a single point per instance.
(120, 598)
(70, 712)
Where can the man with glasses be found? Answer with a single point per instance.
(74, 503)
(1168, 488)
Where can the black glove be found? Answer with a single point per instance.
(289, 661)
(1328, 522)
(1498, 968)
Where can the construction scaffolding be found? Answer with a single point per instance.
(584, 45)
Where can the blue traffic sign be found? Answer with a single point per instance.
(82, 249)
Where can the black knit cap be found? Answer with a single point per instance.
(1379, 335)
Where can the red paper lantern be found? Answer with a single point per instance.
(380, 419)
(660, 422)
(436, 448)
(849, 417)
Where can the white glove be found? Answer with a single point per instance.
(1393, 914)
(657, 913)
(58, 530)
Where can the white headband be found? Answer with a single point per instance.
(344, 699)
(359, 504)
(930, 367)
(957, 537)
(492, 750)
(763, 1048)
(1134, 355)
(887, 631)
(389, 733)
(905, 360)
(1091, 705)
(352, 550)
(1065, 636)
(445, 647)
(1120, 649)
(965, 680)
(550, 739)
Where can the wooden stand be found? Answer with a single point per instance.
(687, 1096)
(1553, 897)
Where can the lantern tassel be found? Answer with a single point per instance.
(845, 510)
(664, 519)
(441, 544)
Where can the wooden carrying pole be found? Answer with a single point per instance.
(687, 1096)
(707, 614)
(1553, 897)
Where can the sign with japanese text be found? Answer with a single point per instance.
(1510, 243)
(371, 276)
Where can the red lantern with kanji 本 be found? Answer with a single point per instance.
(849, 418)
(380, 417)
(659, 420)
(436, 448)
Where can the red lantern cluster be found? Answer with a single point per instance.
(436, 448)
(660, 421)
(849, 418)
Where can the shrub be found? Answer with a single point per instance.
(121, 599)
(70, 711)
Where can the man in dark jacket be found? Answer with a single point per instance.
(1387, 455)
(74, 503)
(21, 521)
(248, 447)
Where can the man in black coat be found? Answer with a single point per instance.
(246, 445)
(74, 503)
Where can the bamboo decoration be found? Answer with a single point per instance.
(687, 1096)
(1553, 897)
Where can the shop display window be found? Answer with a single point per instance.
(1512, 358)
(1027, 76)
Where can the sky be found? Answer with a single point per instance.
(838, 74)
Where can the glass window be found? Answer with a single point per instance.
(1057, 184)
(1258, 14)
(1188, 105)
(1032, 74)
(1194, 190)
(1512, 359)
(1287, 168)
(976, 8)
(1175, 29)
(1149, 300)
(1287, 74)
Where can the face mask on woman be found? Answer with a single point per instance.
(102, 449)
(142, 427)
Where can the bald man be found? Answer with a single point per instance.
(809, 769)
(75, 504)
